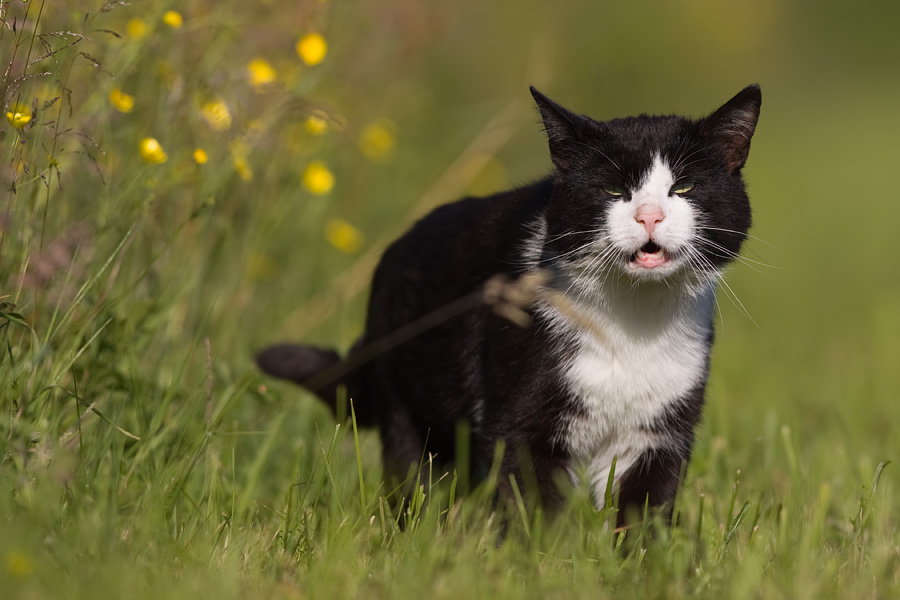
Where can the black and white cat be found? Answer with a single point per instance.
(634, 228)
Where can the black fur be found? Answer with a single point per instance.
(465, 363)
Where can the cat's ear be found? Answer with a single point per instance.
(732, 126)
(562, 127)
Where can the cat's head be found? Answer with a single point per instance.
(649, 196)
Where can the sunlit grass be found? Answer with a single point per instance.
(182, 187)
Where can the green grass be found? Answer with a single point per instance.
(141, 453)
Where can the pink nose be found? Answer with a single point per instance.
(649, 216)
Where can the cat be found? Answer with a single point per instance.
(571, 319)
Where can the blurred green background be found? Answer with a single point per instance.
(142, 287)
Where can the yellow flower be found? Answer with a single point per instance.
(18, 118)
(172, 19)
(18, 564)
(136, 28)
(152, 152)
(317, 178)
(217, 115)
(312, 48)
(315, 124)
(377, 141)
(343, 236)
(260, 72)
(121, 101)
(200, 156)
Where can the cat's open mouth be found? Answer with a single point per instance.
(649, 256)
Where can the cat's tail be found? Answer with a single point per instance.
(321, 371)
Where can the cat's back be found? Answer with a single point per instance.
(453, 250)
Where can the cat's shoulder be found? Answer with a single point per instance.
(497, 211)
(473, 228)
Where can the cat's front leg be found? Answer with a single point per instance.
(652, 480)
(534, 475)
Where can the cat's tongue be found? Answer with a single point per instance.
(650, 260)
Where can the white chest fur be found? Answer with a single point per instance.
(624, 379)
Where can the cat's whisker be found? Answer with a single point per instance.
(600, 262)
(703, 273)
(703, 269)
(682, 162)
(568, 233)
(541, 240)
(690, 163)
(746, 236)
(556, 257)
(597, 255)
(605, 267)
(678, 154)
(609, 269)
(737, 301)
(604, 255)
(598, 258)
(601, 153)
(725, 252)
(730, 254)
(732, 295)
(540, 262)
(740, 233)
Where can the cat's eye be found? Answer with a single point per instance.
(682, 187)
(613, 190)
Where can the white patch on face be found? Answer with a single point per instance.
(672, 233)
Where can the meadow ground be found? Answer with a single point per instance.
(184, 183)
